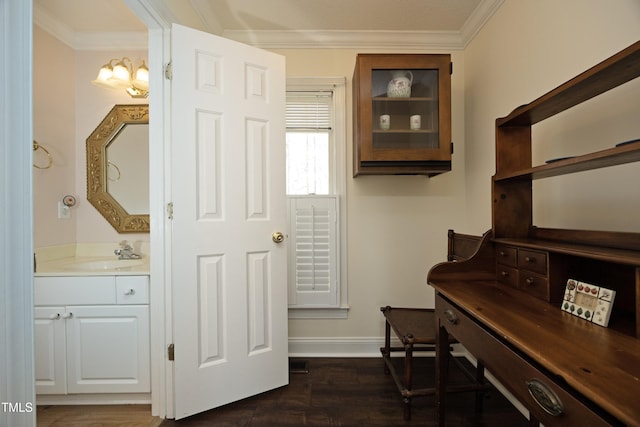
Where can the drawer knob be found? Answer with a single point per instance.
(504, 273)
(530, 259)
(529, 280)
(130, 292)
(545, 397)
(451, 316)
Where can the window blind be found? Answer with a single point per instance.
(309, 110)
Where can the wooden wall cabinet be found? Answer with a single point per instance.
(384, 140)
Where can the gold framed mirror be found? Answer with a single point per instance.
(118, 168)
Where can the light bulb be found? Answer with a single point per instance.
(104, 76)
(142, 77)
(121, 75)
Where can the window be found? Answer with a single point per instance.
(315, 191)
(309, 129)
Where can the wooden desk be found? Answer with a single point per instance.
(503, 303)
(593, 371)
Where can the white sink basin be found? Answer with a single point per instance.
(101, 265)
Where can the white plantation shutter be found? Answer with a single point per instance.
(314, 251)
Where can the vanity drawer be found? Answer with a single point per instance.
(515, 372)
(507, 275)
(132, 289)
(534, 284)
(74, 290)
(506, 255)
(532, 261)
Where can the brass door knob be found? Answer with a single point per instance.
(277, 237)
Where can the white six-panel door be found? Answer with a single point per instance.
(229, 293)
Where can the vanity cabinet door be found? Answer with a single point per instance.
(108, 349)
(50, 350)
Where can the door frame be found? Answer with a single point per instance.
(16, 191)
(159, 50)
(16, 307)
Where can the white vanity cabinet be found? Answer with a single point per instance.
(92, 334)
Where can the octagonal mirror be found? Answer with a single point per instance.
(118, 168)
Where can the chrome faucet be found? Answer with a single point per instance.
(126, 251)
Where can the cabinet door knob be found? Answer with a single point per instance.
(54, 316)
(451, 316)
(130, 292)
(67, 315)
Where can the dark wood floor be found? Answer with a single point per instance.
(354, 392)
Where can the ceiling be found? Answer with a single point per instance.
(274, 23)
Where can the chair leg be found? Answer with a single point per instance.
(407, 408)
(479, 380)
(387, 345)
(408, 377)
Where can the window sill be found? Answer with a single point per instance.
(318, 313)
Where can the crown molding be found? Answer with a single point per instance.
(336, 39)
(478, 19)
(398, 40)
(277, 39)
(138, 40)
(89, 40)
(52, 26)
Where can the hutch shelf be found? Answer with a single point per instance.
(402, 114)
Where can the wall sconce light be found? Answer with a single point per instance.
(118, 74)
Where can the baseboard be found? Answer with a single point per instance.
(348, 347)
(94, 399)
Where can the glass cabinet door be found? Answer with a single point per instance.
(402, 120)
(404, 110)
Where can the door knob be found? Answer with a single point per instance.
(277, 237)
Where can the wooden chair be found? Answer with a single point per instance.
(416, 329)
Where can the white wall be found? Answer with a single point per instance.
(67, 108)
(93, 103)
(397, 225)
(54, 106)
(527, 49)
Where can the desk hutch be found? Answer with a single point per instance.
(503, 304)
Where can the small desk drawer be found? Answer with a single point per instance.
(506, 255)
(532, 261)
(515, 372)
(534, 284)
(507, 275)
